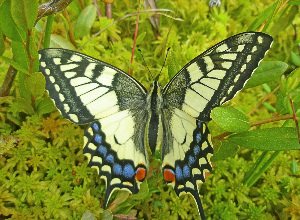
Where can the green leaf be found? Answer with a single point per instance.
(266, 72)
(268, 139)
(284, 20)
(60, 42)
(44, 105)
(230, 119)
(140, 38)
(22, 105)
(295, 58)
(227, 149)
(24, 13)
(173, 66)
(267, 13)
(36, 83)
(20, 55)
(85, 21)
(7, 24)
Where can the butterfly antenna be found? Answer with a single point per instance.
(164, 62)
(145, 63)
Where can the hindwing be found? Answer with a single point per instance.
(207, 81)
(89, 91)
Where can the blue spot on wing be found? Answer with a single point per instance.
(196, 150)
(186, 171)
(128, 171)
(98, 138)
(178, 173)
(191, 160)
(117, 169)
(102, 150)
(198, 137)
(95, 127)
(110, 158)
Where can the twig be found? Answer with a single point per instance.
(134, 38)
(8, 81)
(269, 120)
(52, 7)
(97, 7)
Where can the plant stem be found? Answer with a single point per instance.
(8, 81)
(135, 37)
(269, 120)
(108, 10)
(48, 28)
(257, 123)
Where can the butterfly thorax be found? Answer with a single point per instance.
(154, 108)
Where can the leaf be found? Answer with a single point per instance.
(295, 58)
(266, 72)
(140, 38)
(22, 105)
(60, 42)
(268, 139)
(44, 106)
(173, 66)
(20, 55)
(7, 23)
(85, 21)
(24, 13)
(227, 149)
(284, 20)
(230, 119)
(263, 16)
(36, 83)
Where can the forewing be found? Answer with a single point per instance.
(86, 90)
(216, 75)
(207, 81)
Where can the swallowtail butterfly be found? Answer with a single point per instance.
(124, 120)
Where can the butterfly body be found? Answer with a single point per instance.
(124, 120)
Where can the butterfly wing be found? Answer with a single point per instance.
(207, 81)
(89, 91)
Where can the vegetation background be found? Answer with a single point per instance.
(43, 173)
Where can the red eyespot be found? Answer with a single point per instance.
(140, 174)
(169, 175)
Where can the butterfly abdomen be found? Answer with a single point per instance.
(154, 127)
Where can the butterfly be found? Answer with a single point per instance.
(125, 121)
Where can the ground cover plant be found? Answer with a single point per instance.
(43, 173)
